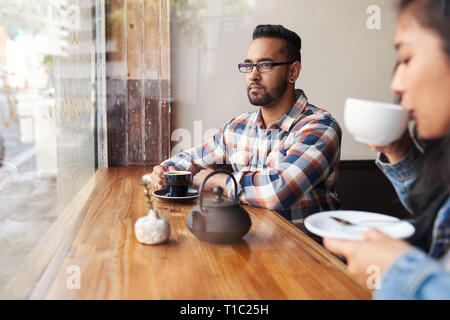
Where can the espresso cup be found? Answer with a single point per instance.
(177, 182)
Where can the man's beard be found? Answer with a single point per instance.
(266, 98)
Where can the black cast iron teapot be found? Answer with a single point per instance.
(218, 219)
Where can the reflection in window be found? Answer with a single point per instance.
(47, 58)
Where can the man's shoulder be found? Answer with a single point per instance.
(314, 115)
(242, 120)
(311, 111)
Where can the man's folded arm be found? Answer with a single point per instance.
(306, 164)
(210, 153)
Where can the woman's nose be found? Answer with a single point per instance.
(397, 85)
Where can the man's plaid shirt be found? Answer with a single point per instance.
(290, 167)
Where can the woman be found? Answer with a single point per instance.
(422, 180)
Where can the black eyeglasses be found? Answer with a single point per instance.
(260, 66)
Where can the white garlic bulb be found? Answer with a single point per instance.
(152, 229)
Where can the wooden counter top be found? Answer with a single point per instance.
(274, 261)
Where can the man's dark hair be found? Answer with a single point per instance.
(293, 43)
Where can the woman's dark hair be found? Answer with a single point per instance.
(432, 187)
(432, 14)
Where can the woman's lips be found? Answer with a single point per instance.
(412, 112)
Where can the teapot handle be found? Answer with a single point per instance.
(204, 183)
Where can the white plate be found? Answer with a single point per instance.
(323, 225)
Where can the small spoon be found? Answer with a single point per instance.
(348, 223)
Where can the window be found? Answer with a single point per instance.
(47, 131)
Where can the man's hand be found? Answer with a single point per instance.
(158, 175)
(216, 180)
(378, 250)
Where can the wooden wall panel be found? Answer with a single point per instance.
(152, 93)
(164, 27)
(116, 85)
(134, 38)
(134, 66)
(138, 73)
(135, 150)
(165, 130)
(117, 122)
(165, 55)
(151, 36)
(152, 121)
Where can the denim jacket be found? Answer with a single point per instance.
(416, 275)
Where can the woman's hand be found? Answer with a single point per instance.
(377, 250)
(395, 151)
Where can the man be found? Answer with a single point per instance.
(285, 154)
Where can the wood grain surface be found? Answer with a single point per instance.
(274, 260)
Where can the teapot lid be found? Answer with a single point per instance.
(218, 201)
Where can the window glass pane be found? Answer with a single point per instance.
(47, 156)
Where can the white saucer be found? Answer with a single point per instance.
(323, 225)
